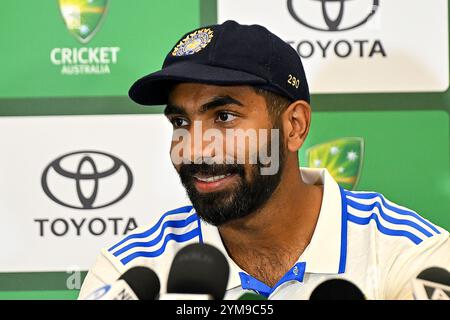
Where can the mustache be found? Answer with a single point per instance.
(187, 171)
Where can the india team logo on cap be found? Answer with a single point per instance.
(342, 157)
(83, 17)
(193, 43)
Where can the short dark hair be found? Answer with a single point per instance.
(276, 104)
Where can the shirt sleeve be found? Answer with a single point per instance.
(432, 252)
(103, 272)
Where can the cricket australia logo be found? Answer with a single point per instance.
(343, 158)
(83, 17)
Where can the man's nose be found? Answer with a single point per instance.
(203, 140)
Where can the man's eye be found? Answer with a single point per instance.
(225, 117)
(179, 122)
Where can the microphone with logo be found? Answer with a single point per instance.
(251, 296)
(432, 284)
(198, 272)
(137, 283)
(337, 289)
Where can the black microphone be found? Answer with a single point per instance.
(137, 283)
(432, 284)
(198, 272)
(251, 296)
(143, 281)
(337, 289)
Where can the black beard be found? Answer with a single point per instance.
(218, 208)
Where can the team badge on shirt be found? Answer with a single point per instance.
(193, 43)
(342, 157)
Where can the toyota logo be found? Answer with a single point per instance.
(87, 180)
(363, 9)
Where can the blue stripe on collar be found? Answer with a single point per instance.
(343, 258)
(296, 273)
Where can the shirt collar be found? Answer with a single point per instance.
(326, 250)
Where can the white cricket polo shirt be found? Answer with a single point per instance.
(360, 236)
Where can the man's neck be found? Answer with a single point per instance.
(280, 231)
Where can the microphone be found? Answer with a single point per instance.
(432, 284)
(337, 289)
(137, 283)
(198, 272)
(251, 296)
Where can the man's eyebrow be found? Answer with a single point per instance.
(173, 109)
(216, 102)
(219, 102)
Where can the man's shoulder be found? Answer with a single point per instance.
(153, 245)
(373, 216)
(390, 244)
(171, 230)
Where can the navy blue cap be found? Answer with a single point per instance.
(227, 54)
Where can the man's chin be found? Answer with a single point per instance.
(216, 222)
(216, 210)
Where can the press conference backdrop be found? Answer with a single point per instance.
(379, 79)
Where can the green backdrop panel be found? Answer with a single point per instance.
(144, 31)
(40, 295)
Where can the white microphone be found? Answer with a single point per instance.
(137, 283)
(432, 284)
(119, 290)
(185, 296)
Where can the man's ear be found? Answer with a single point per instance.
(296, 120)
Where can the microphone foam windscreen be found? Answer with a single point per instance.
(337, 289)
(435, 274)
(199, 269)
(143, 281)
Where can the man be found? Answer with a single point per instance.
(283, 232)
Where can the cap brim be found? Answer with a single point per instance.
(153, 88)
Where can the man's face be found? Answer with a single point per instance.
(224, 129)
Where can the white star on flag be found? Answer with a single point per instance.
(352, 155)
(340, 169)
(334, 150)
(317, 163)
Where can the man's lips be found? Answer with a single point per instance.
(210, 183)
